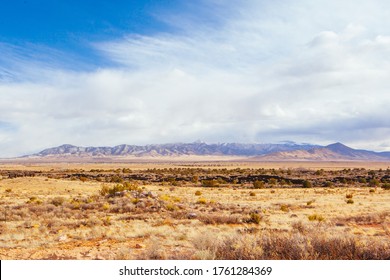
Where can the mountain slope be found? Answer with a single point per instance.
(332, 152)
(255, 152)
(176, 149)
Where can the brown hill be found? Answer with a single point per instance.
(333, 152)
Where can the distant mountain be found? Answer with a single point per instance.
(332, 152)
(257, 152)
(176, 149)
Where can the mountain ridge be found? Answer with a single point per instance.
(173, 149)
(333, 152)
(263, 152)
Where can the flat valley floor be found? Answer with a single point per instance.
(195, 210)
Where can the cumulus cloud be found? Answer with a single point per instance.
(263, 72)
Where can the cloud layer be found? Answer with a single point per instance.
(265, 71)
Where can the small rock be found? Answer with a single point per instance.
(152, 195)
(62, 238)
(140, 204)
(181, 206)
(192, 215)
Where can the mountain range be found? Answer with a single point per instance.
(258, 152)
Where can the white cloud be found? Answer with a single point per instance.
(265, 71)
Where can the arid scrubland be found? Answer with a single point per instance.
(194, 212)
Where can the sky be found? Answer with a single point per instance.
(104, 73)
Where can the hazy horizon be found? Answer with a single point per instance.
(287, 143)
(142, 72)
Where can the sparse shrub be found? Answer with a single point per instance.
(154, 251)
(171, 207)
(273, 181)
(258, 184)
(284, 208)
(198, 193)
(206, 243)
(3, 228)
(350, 201)
(307, 184)
(299, 226)
(83, 179)
(217, 219)
(254, 218)
(210, 183)
(369, 219)
(374, 183)
(348, 195)
(93, 221)
(165, 197)
(106, 221)
(316, 217)
(328, 184)
(252, 194)
(104, 190)
(372, 190)
(386, 186)
(135, 200)
(8, 190)
(176, 199)
(221, 181)
(126, 186)
(319, 172)
(310, 202)
(123, 254)
(116, 179)
(298, 246)
(57, 201)
(201, 200)
(106, 206)
(35, 200)
(284, 182)
(362, 180)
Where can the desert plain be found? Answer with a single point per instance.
(195, 210)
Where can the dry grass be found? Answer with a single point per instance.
(48, 218)
(298, 246)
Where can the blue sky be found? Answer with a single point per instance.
(71, 26)
(140, 72)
